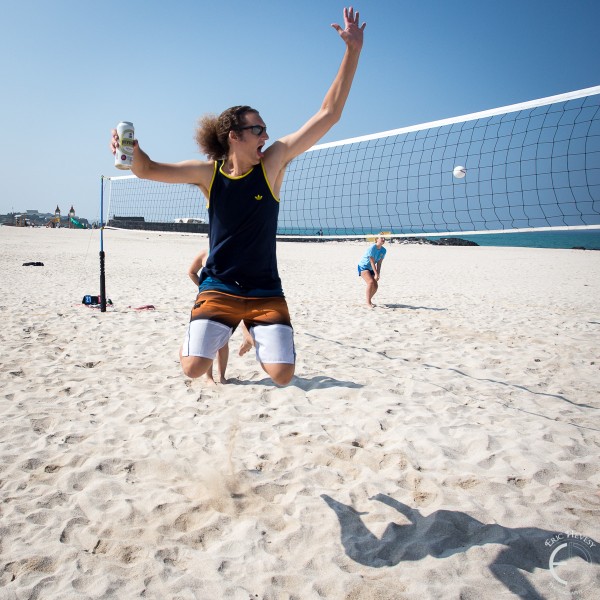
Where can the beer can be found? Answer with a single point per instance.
(124, 154)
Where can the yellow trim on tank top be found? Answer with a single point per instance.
(267, 180)
(234, 176)
(211, 184)
(262, 165)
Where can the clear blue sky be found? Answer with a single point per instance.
(72, 69)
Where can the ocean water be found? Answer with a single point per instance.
(588, 239)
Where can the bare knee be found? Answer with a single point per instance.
(195, 366)
(281, 374)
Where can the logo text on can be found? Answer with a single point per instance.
(124, 154)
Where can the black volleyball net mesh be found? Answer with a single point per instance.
(534, 165)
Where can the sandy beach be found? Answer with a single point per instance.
(444, 445)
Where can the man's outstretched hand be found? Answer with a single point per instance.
(352, 33)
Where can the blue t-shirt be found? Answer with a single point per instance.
(373, 252)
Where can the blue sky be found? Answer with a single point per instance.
(71, 70)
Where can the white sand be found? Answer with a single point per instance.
(442, 445)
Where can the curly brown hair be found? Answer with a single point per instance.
(212, 133)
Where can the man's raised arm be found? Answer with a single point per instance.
(290, 146)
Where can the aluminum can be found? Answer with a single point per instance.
(124, 154)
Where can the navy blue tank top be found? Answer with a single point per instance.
(242, 225)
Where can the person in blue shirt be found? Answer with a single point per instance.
(369, 267)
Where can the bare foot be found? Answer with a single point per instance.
(245, 346)
(223, 380)
(208, 379)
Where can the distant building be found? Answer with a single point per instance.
(34, 218)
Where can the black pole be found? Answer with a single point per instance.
(102, 284)
(102, 279)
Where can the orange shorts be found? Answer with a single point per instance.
(215, 315)
(230, 310)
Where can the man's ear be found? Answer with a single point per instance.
(233, 135)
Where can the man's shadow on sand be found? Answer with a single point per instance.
(445, 533)
(314, 383)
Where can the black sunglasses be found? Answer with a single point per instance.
(255, 129)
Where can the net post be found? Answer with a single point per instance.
(102, 278)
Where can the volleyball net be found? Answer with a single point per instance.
(529, 166)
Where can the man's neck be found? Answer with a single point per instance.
(236, 166)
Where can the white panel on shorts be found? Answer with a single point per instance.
(274, 344)
(204, 338)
